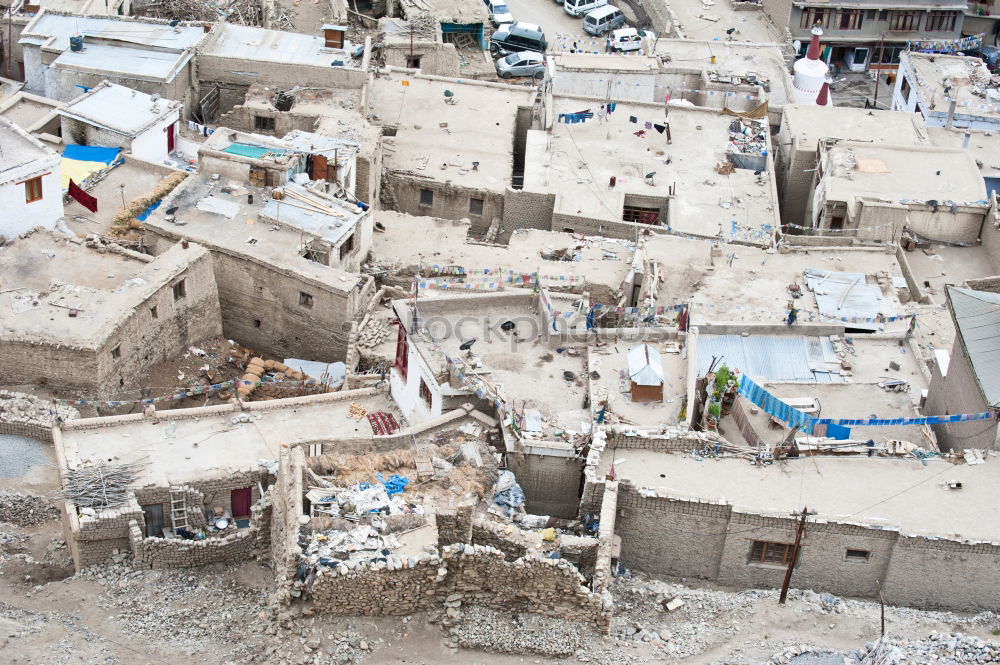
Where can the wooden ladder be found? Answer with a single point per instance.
(178, 509)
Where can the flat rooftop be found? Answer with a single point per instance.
(28, 111)
(576, 162)
(751, 26)
(175, 449)
(734, 58)
(410, 241)
(244, 233)
(901, 174)
(983, 145)
(610, 361)
(964, 76)
(46, 275)
(130, 179)
(901, 494)
(478, 127)
(20, 151)
(278, 46)
(527, 369)
(451, 11)
(154, 33)
(125, 58)
(841, 401)
(750, 285)
(809, 124)
(119, 109)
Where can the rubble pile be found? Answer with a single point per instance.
(25, 510)
(24, 413)
(485, 629)
(938, 647)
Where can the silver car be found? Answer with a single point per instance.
(522, 63)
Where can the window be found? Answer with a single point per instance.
(883, 15)
(857, 555)
(256, 323)
(179, 290)
(476, 207)
(940, 22)
(905, 21)
(886, 55)
(264, 123)
(812, 16)
(860, 56)
(763, 551)
(904, 89)
(426, 197)
(116, 352)
(413, 62)
(33, 190)
(639, 215)
(425, 393)
(850, 19)
(305, 300)
(837, 223)
(153, 312)
(347, 246)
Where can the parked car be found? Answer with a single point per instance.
(524, 63)
(628, 39)
(581, 7)
(516, 37)
(603, 20)
(499, 14)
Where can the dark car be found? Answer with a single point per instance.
(516, 37)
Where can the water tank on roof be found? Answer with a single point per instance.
(76, 43)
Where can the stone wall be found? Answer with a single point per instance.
(527, 210)
(97, 537)
(462, 574)
(450, 201)
(551, 484)
(23, 414)
(958, 392)
(942, 574)
(177, 553)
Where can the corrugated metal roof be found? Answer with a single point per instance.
(644, 365)
(977, 317)
(772, 357)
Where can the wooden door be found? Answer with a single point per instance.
(170, 139)
(258, 177)
(319, 163)
(241, 502)
(153, 514)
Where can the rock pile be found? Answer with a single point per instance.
(28, 415)
(937, 648)
(25, 510)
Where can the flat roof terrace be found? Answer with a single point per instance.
(894, 493)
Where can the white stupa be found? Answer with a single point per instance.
(810, 75)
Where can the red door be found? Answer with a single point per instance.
(170, 139)
(319, 167)
(241, 502)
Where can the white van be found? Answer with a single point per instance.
(581, 7)
(628, 39)
(602, 20)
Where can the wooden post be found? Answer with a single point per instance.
(795, 557)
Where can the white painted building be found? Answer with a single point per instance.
(30, 193)
(118, 117)
(948, 91)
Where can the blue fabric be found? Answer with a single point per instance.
(145, 213)
(838, 432)
(91, 153)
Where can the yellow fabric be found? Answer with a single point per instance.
(755, 113)
(77, 170)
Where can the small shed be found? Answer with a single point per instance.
(645, 370)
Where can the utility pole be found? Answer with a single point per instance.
(881, 41)
(795, 555)
(881, 602)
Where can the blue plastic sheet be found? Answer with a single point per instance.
(396, 483)
(91, 153)
(145, 213)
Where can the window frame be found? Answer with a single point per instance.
(909, 19)
(940, 21)
(30, 185)
(859, 559)
(180, 290)
(154, 312)
(854, 17)
(426, 194)
(263, 123)
(813, 15)
(306, 300)
(482, 206)
(760, 553)
(425, 393)
(347, 246)
(116, 353)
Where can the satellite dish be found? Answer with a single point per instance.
(465, 346)
(174, 23)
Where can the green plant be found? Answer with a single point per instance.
(715, 410)
(716, 395)
(723, 376)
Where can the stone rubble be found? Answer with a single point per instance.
(25, 510)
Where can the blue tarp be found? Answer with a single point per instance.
(145, 213)
(91, 153)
